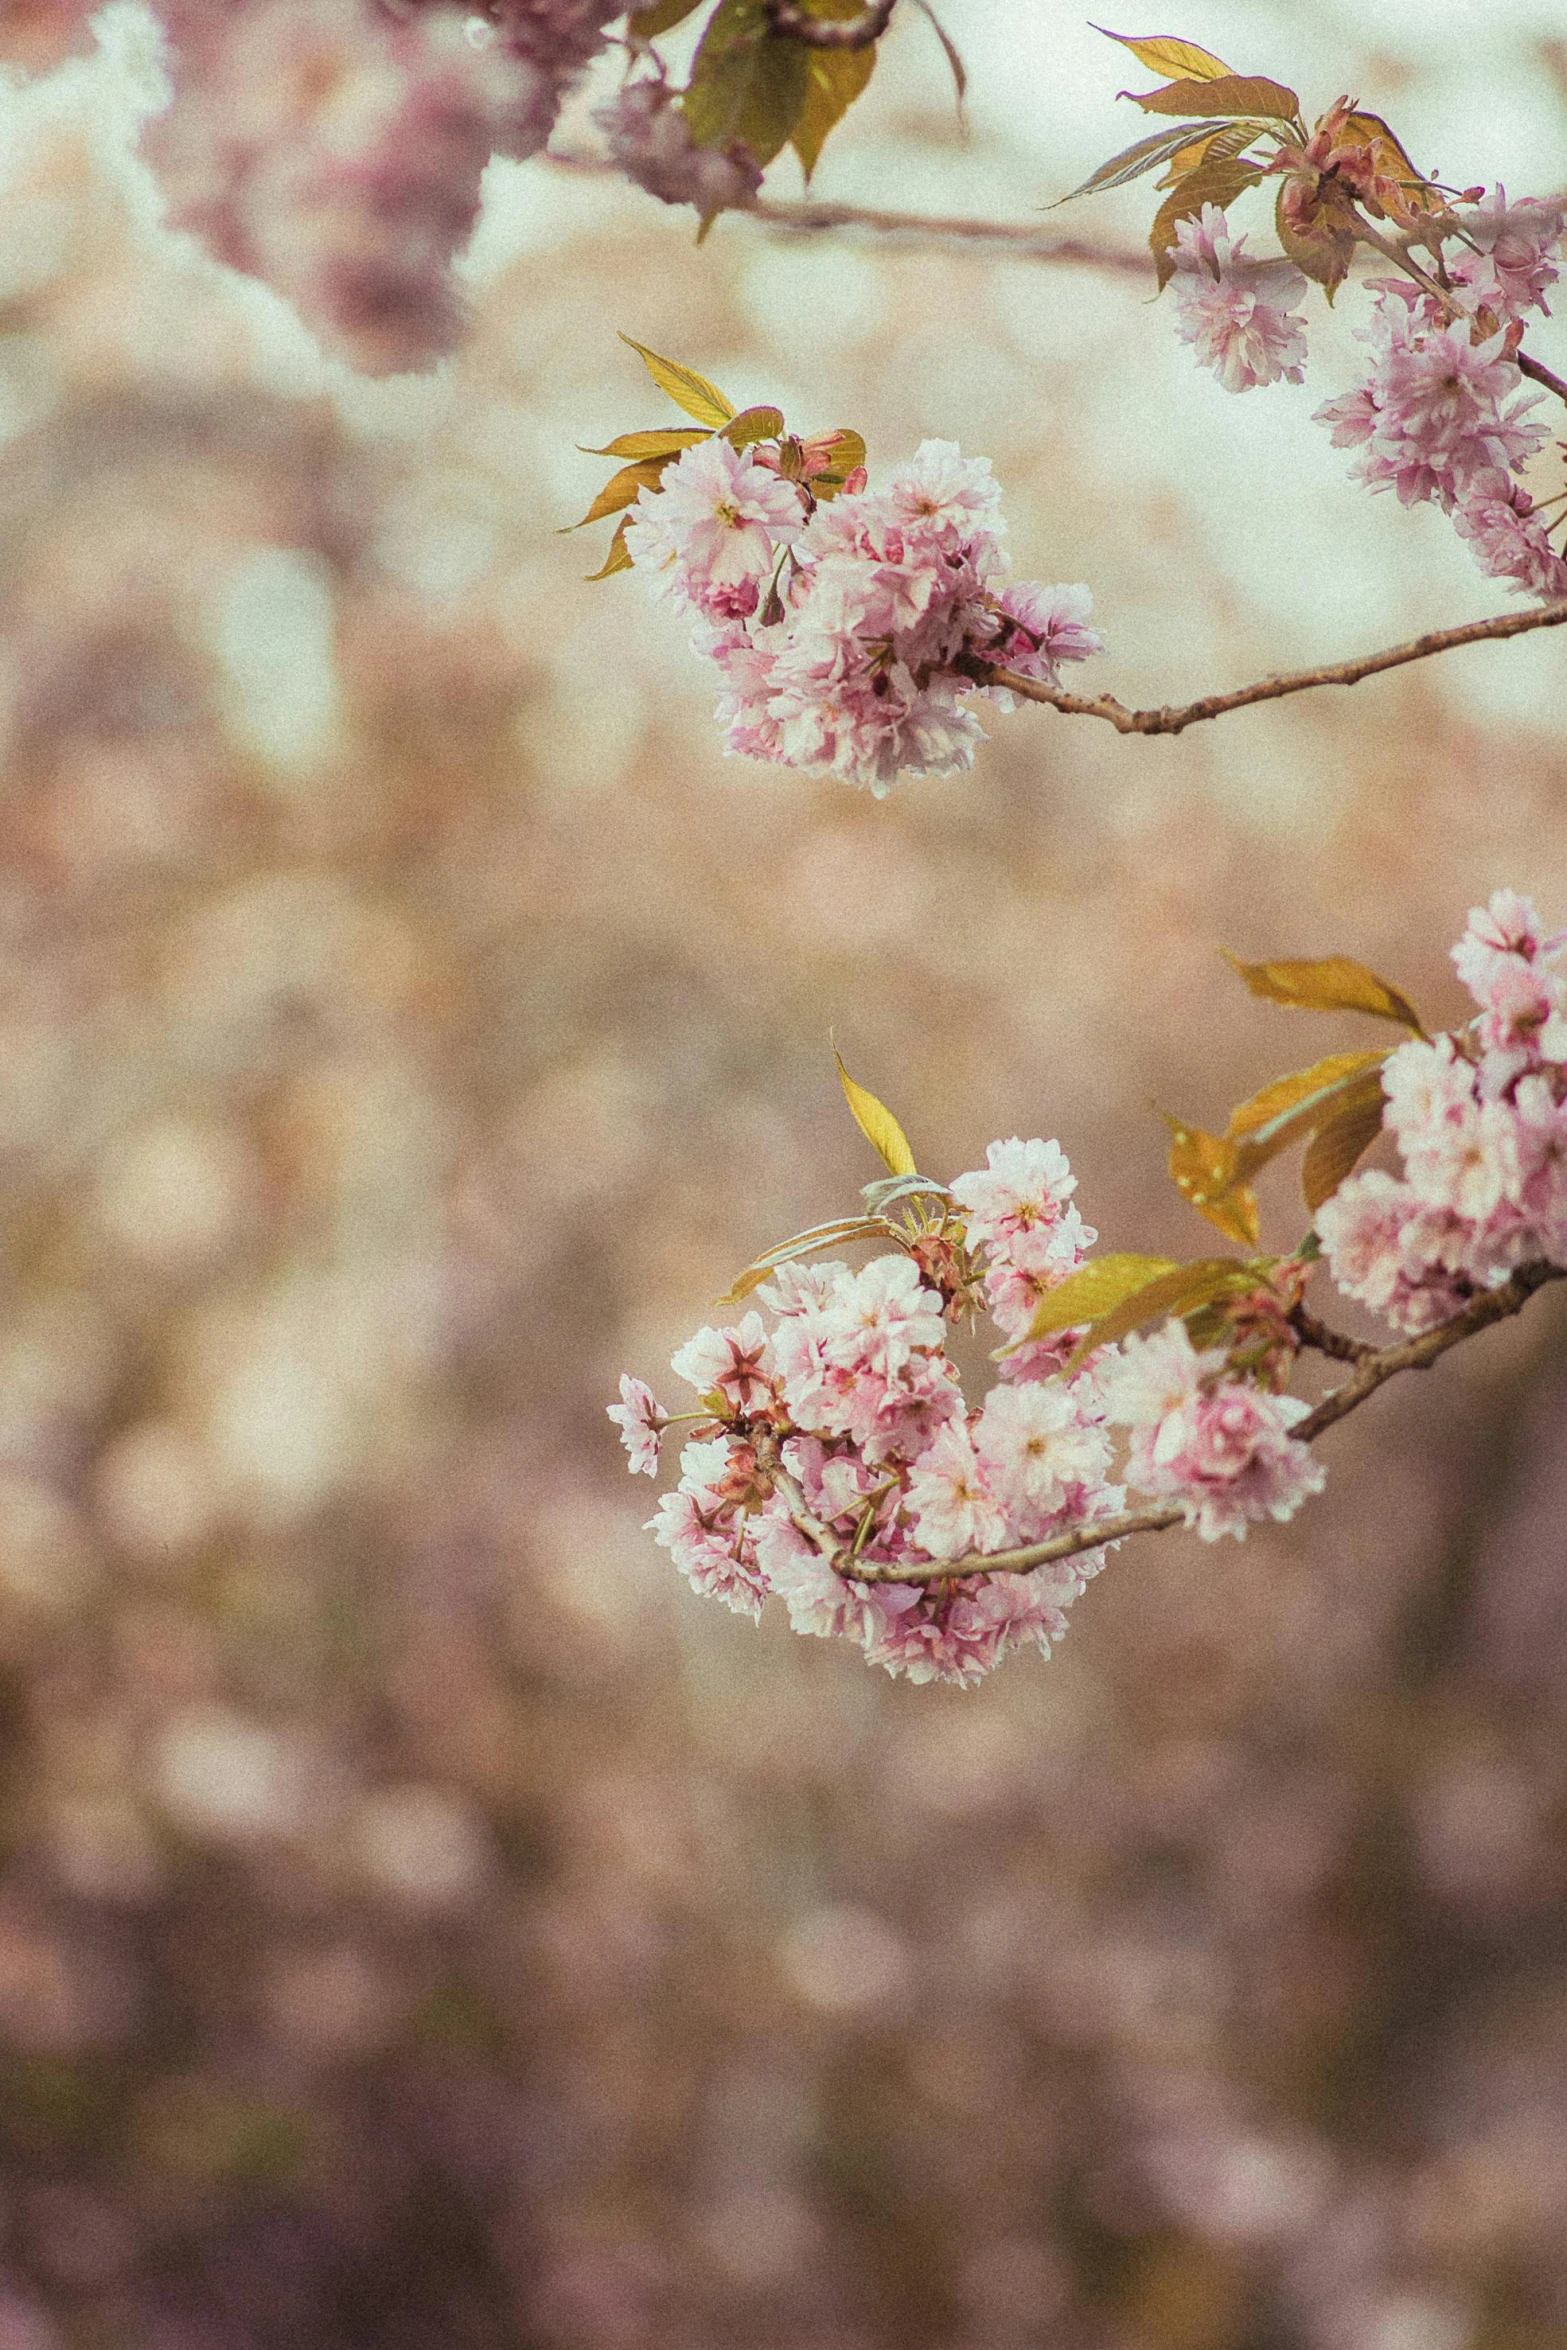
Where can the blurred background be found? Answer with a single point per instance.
(424, 1925)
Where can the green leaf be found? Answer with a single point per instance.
(1336, 983)
(1180, 1291)
(1218, 182)
(622, 489)
(805, 1244)
(877, 1123)
(619, 556)
(753, 424)
(746, 83)
(1145, 155)
(1162, 53)
(645, 24)
(650, 444)
(1093, 1291)
(834, 78)
(1235, 93)
(1343, 1139)
(1206, 1171)
(685, 387)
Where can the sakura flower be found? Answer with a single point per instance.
(961, 1632)
(734, 1363)
(1385, 1248)
(650, 139)
(1038, 1452)
(1509, 537)
(1022, 1186)
(712, 533)
(711, 1550)
(953, 1509)
(1155, 1374)
(945, 496)
(641, 1424)
(1517, 253)
(880, 1315)
(1049, 626)
(1238, 311)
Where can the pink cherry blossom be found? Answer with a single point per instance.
(1022, 1186)
(1219, 1448)
(641, 1424)
(953, 1508)
(735, 1363)
(712, 534)
(1040, 1453)
(1516, 255)
(1236, 310)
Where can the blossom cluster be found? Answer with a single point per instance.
(1441, 414)
(335, 148)
(1481, 1122)
(649, 138)
(840, 1439)
(846, 632)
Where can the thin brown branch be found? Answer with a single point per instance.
(1374, 1366)
(1418, 1354)
(1541, 374)
(1337, 1343)
(820, 32)
(1019, 239)
(1175, 719)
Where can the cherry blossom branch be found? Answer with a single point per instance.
(1019, 238)
(1402, 259)
(1337, 1343)
(1169, 719)
(1374, 1366)
(818, 32)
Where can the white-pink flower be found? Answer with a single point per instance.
(1220, 1448)
(1022, 1186)
(1039, 1453)
(712, 533)
(734, 1362)
(641, 1423)
(953, 1509)
(1238, 311)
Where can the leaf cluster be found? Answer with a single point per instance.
(824, 463)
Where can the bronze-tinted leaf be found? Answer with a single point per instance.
(651, 444)
(645, 24)
(834, 78)
(805, 1244)
(1144, 155)
(1093, 1291)
(685, 387)
(1211, 183)
(1180, 1291)
(1206, 1172)
(877, 1123)
(1335, 983)
(1341, 1140)
(1162, 53)
(619, 556)
(1287, 1097)
(950, 50)
(753, 424)
(747, 82)
(845, 455)
(1213, 146)
(1234, 93)
(623, 489)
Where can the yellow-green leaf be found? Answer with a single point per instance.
(1288, 1096)
(645, 24)
(1341, 1140)
(747, 83)
(834, 78)
(622, 489)
(1218, 181)
(1143, 155)
(1180, 1291)
(753, 424)
(619, 556)
(1093, 1291)
(1162, 53)
(686, 388)
(877, 1123)
(805, 1244)
(1235, 93)
(1205, 1171)
(1335, 983)
(651, 444)
(1214, 146)
(845, 452)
